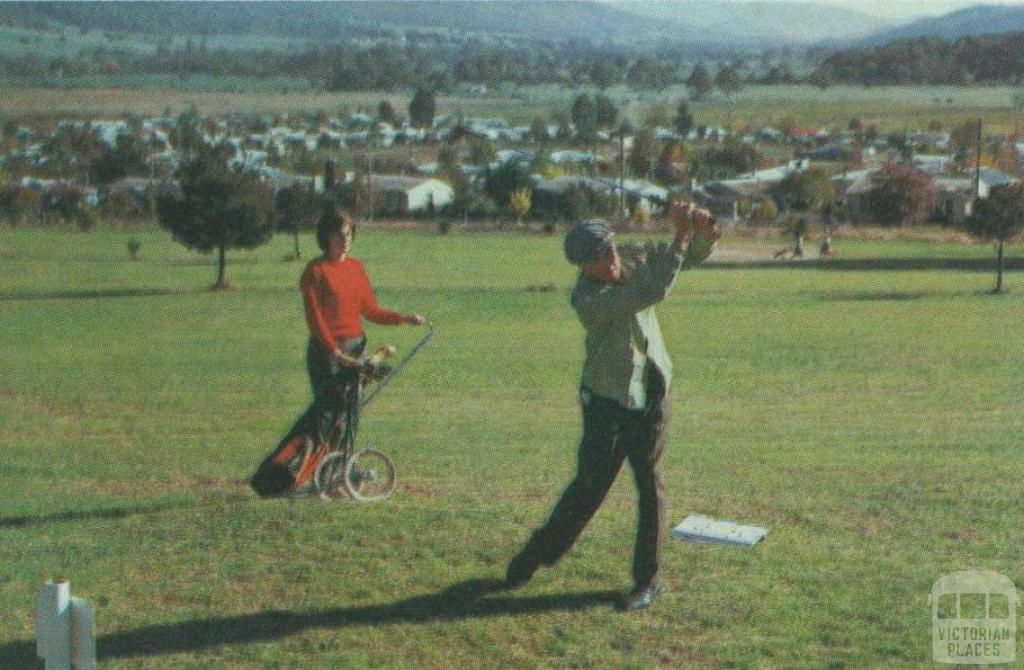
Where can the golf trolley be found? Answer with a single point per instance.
(366, 474)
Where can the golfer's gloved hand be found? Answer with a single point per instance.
(373, 369)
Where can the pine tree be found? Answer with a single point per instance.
(422, 108)
(217, 208)
(584, 116)
(683, 119)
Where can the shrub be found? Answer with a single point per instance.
(20, 205)
(88, 218)
(764, 212)
(901, 196)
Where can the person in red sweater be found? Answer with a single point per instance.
(337, 295)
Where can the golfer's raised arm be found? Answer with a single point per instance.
(695, 232)
(648, 286)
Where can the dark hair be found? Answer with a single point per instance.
(331, 221)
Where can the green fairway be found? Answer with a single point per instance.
(867, 409)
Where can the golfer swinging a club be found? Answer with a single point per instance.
(624, 389)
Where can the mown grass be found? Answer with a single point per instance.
(869, 414)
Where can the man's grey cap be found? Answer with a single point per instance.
(587, 241)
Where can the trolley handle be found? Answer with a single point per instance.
(398, 367)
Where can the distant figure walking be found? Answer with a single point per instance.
(799, 230)
(827, 217)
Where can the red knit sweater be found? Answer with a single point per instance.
(336, 294)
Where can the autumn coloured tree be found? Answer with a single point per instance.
(673, 164)
(901, 196)
(519, 203)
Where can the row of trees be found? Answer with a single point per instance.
(392, 66)
(989, 59)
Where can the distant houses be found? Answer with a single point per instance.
(566, 177)
(567, 195)
(398, 195)
(954, 194)
(726, 197)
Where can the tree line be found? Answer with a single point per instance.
(988, 59)
(387, 66)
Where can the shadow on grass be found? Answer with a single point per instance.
(87, 295)
(873, 264)
(881, 296)
(136, 293)
(28, 520)
(462, 601)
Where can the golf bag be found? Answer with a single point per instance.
(290, 466)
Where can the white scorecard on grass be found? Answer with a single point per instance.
(700, 528)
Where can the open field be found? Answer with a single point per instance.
(889, 107)
(868, 409)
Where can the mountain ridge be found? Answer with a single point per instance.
(968, 22)
(753, 23)
(793, 22)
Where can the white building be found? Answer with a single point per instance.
(407, 195)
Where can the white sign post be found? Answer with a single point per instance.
(65, 629)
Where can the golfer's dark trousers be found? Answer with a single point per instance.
(330, 390)
(611, 434)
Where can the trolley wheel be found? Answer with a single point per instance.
(369, 475)
(328, 479)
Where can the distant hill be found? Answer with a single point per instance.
(970, 22)
(330, 21)
(760, 22)
(691, 22)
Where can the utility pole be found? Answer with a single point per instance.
(977, 165)
(622, 174)
(151, 190)
(369, 184)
